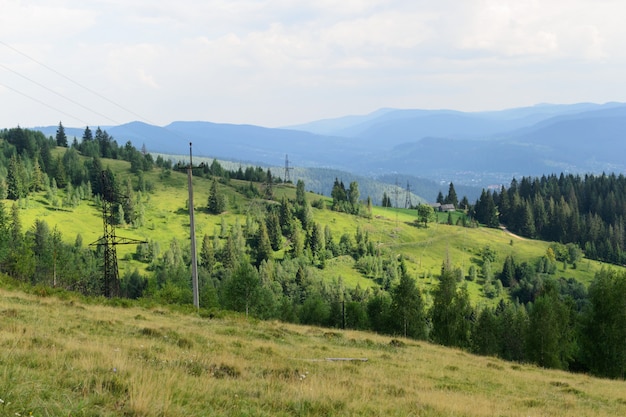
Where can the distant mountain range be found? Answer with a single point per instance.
(472, 149)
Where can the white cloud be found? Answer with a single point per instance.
(284, 61)
(34, 21)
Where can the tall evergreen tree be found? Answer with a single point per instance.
(604, 328)
(485, 339)
(207, 253)
(297, 239)
(512, 331)
(550, 336)
(451, 198)
(300, 193)
(262, 245)
(339, 195)
(451, 312)
(386, 200)
(217, 201)
(269, 185)
(15, 180)
(61, 136)
(274, 231)
(286, 216)
(353, 195)
(407, 309)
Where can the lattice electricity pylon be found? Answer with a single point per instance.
(287, 169)
(110, 199)
(408, 203)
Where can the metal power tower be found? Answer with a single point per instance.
(287, 169)
(396, 192)
(109, 241)
(408, 203)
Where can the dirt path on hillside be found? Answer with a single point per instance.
(508, 232)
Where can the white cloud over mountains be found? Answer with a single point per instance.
(279, 62)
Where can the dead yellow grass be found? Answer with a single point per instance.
(62, 357)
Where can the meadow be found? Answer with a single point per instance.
(393, 230)
(64, 355)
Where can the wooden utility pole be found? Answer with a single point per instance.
(192, 232)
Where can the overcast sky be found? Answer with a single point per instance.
(282, 62)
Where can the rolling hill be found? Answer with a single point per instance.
(473, 149)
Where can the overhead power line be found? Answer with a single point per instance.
(58, 94)
(60, 74)
(44, 103)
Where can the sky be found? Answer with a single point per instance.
(285, 62)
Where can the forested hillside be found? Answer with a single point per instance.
(585, 210)
(274, 251)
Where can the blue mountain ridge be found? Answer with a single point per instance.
(472, 148)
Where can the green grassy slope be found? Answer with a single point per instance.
(393, 230)
(61, 356)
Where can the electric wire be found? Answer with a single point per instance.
(60, 74)
(130, 128)
(43, 103)
(58, 94)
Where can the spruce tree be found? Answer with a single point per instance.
(407, 308)
(61, 136)
(217, 201)
(604, 325)
(549, 339)
(207, 253)
(300, 193)
(273, 229)
(262, 245)
(451, 198)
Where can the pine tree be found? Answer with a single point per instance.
(451, 198)
(87, 135)
(442, 314)
(207, 253)
(339, 196)
(353, 196)
(386, 200)
(300, 193)
(451, 312)
(263, 247)
(61, 137)
(59, 173)
(273, 229)
(229, 253)
(217, 201)
(604, 325)
(297, 240)
(407, 309)
(316, 239)
(269, 186)
(286, 216)
(485, 334)
(37, 179)
(15, 183)
(507, 276)
(550, 336)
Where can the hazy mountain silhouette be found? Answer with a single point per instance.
(444, 145)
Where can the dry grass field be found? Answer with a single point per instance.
(64, 356)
